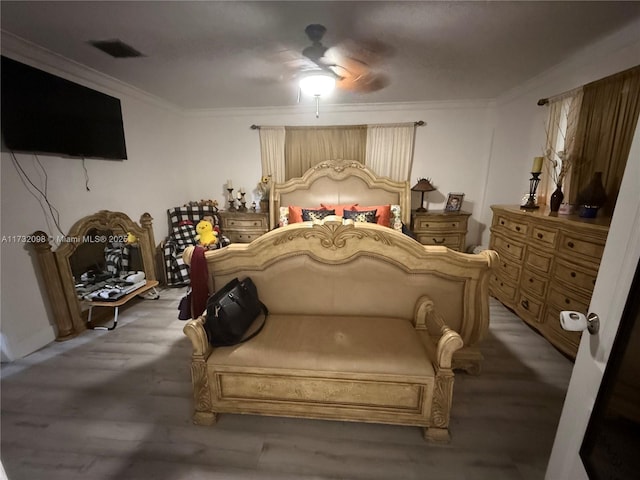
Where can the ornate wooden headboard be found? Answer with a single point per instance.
(339, 182)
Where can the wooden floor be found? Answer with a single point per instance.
(117, 405)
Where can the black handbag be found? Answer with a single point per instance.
(231, 311)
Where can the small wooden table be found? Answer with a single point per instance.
(151, 285)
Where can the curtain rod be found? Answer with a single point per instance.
(560, 96)
(419, 123)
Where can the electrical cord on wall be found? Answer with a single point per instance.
(55, 214)
(86, 175)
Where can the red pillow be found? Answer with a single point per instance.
(339, 208)
(383, 213)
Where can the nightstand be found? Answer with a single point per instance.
(244, 227)
(437, 227)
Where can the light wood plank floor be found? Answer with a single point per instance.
(117, 405)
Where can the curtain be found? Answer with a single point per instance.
(390, 150)
(610, 109)
(308, 146)
(564, 111)
(272, 152)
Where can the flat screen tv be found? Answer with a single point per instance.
(43, 113)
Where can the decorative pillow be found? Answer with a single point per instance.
(295, 214)
(340, 208)
(368, 216)
(308, 214)
(284, 216)
(384, 213)
(396, 217)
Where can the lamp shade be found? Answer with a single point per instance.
(317, 84)
(423, 185)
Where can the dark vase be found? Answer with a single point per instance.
(556, 199)
(592, 197)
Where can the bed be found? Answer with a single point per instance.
(346, 183)
(340, 182)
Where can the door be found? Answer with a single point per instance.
(619, 261)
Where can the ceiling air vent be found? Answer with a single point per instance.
(116, 48)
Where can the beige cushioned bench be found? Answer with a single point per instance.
(357, 330)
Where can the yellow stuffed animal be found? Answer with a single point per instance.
(206, 234)
(131, 238)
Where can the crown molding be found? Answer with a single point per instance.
(36, 56)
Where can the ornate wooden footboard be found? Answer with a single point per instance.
(365, 323)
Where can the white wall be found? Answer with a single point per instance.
(519, 132)
(452, 148)
(147, 182)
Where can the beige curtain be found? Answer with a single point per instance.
(390, 150)
(607, 123)
(272, 152)
(308, 146)
(564, 112)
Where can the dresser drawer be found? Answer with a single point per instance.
(508, 247)
(529, 307)
(512, 225)
(448, 240)
(533, 283)
(235, 223)
(243, 237)
(504, 289)
(432, 224)
(544, 237)
(509, 269)
(538, 260)
(567, 300)
(575, 276)
(575, 245)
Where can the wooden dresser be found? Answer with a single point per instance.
(244, 227)
(547, 264)
(438, 227)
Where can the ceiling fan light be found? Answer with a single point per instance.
(318, 85)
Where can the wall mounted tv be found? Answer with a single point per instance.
(42, 113)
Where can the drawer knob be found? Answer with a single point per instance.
(501, 222)
(540, 235)
(531, 280)
(255, 224)
(570, 245)
(567, 301)
(508, 246)
(426, 225)
(453, 225)
(573, 274)
(517, 229)
(525, 304)
(435, 240)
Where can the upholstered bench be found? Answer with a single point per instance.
(356, 330)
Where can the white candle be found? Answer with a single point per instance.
(537, 165)
(229, 184)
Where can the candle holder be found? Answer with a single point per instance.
(253, 206)
(232, 202)
(530, 204)
(243, 203)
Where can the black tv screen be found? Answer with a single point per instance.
(43, 113)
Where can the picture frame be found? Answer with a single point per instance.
(454, 202)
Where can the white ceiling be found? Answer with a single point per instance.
(235, 53)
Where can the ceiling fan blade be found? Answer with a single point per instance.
(365, 83)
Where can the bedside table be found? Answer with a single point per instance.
(437, 227)
(244, 227)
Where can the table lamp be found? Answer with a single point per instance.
(423, 185)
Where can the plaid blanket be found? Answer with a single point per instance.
(182, 233)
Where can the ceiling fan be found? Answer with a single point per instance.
(350, 63)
